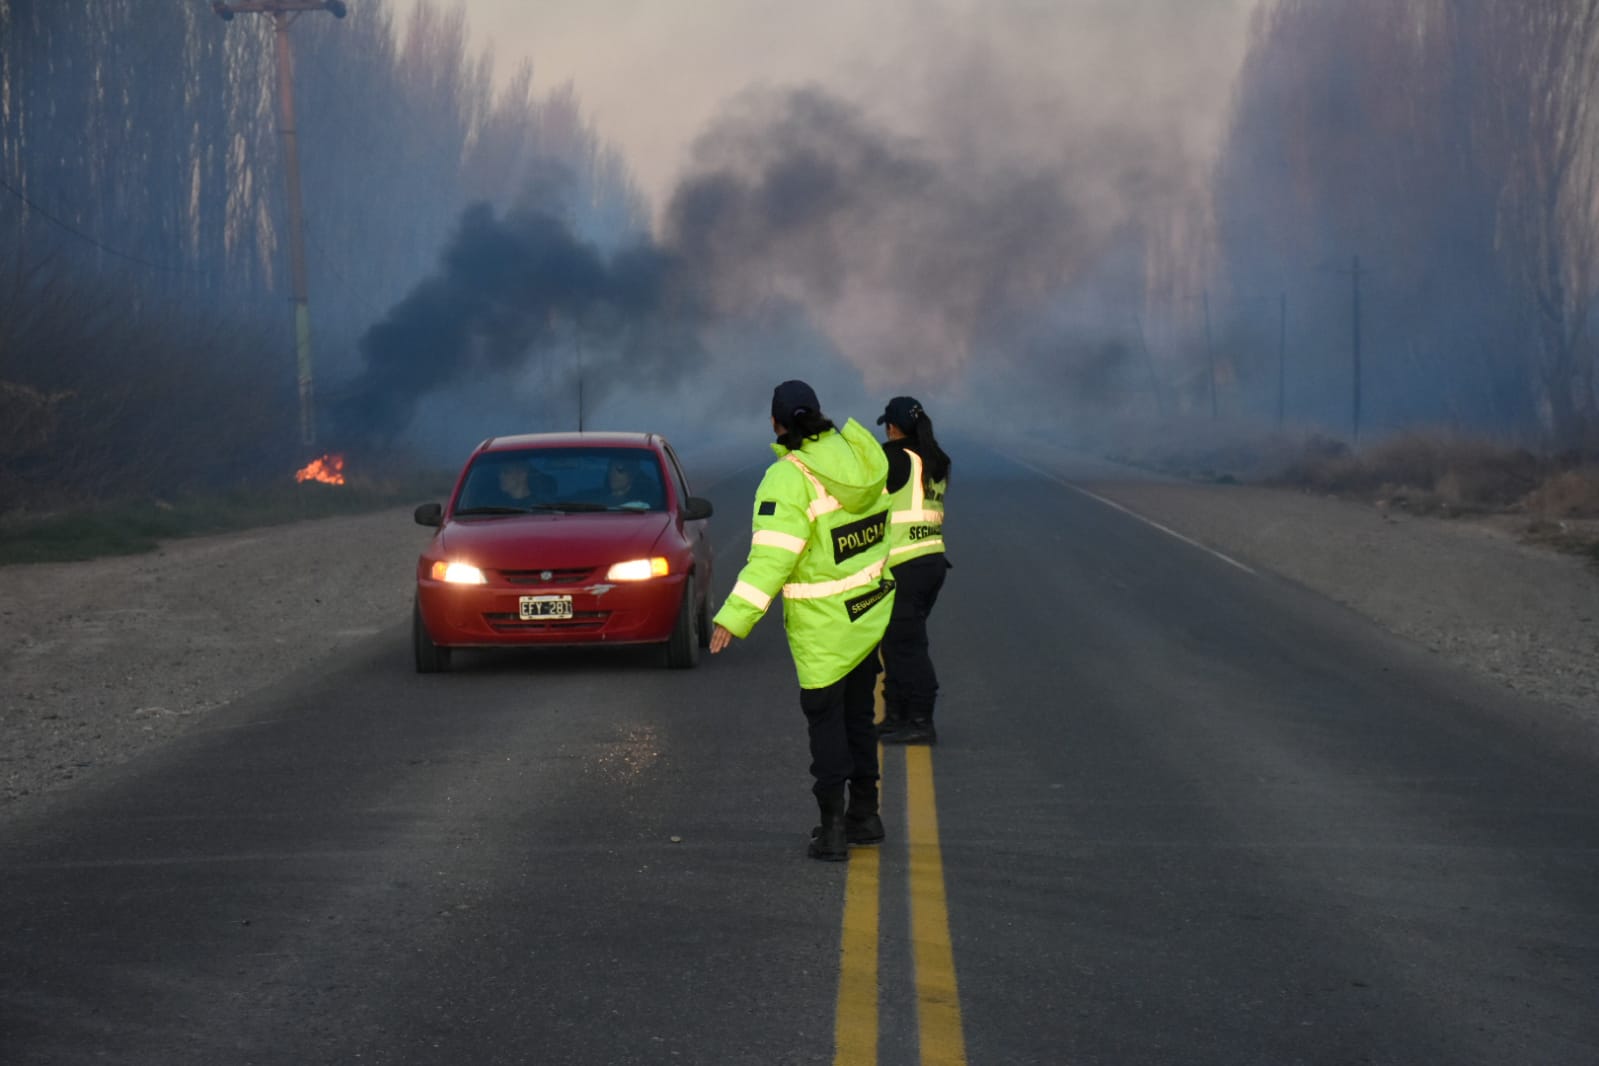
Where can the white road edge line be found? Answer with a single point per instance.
(1229, 560)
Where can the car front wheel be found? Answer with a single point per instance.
(430, 658)
(704, 619)
(683, 649)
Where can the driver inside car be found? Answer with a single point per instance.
(619, 481)
(517, 484)
(628, 486)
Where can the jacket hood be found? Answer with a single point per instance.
(850, 464)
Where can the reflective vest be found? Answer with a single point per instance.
(916, 516)
(820, 538)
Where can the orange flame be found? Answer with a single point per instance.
(329, 470)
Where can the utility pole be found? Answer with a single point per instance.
(1149, 364)
(1210, 356)
(284, 13)
(1355, 348)
(1282, 354)
(580, 381)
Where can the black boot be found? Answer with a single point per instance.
(894, 719)
(862, 823)
(916, 731)
(828, 840)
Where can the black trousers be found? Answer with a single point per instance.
(910, 684)
(843, 740)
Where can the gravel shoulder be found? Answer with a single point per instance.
(102, 660)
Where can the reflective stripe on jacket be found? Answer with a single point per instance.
(820, 537)
(916, 516)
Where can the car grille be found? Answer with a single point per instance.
(571, 576)
(581, 622)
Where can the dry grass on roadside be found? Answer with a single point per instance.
(1448, 475)
(133, 526)
(1204, 450)
(1564, 511)
(1420, 472)
(1427, 473)
(1577, 536)
(1572, 493)
(1440, 473)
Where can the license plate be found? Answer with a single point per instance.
(545, 607)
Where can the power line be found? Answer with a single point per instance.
(47, 216)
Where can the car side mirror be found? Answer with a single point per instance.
(430, 514)
(696, 508)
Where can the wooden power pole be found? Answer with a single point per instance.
(1282, 356)
(1210, 357)
(284, 13)
(1354, 344)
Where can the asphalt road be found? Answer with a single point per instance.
(1181, 812)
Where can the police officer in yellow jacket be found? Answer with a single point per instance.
(821, 539)
(918, 475)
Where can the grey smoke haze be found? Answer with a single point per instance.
(903, 258)
(981, 201)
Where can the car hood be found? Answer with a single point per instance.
(524, 542)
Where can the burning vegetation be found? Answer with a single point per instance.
(327, 469)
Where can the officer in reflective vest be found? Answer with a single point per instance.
(918, 474)
(821, 539)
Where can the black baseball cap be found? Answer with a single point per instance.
(902, 411)
(793, 398)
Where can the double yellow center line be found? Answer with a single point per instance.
(941, 1040)
(938, 1006)
(855, 1024)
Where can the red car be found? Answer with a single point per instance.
(566, 538)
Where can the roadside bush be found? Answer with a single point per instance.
(1571, 493)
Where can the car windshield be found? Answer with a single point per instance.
(563, 480)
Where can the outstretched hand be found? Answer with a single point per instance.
(721, 637)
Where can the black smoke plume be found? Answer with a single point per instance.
(905, 260)
(508, 288)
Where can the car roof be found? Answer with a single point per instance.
(525, 441)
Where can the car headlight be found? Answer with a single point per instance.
(458, 573)
(638, 570)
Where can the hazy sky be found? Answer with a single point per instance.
(886, 188)
(652, 73)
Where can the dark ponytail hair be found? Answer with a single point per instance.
(935, 463)
(806, 425)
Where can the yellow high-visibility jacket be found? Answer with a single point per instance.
(916, 516)
(821, 539)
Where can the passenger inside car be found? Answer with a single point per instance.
(626, 485)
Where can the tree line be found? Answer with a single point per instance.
(1453, 146)
(146, 343)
